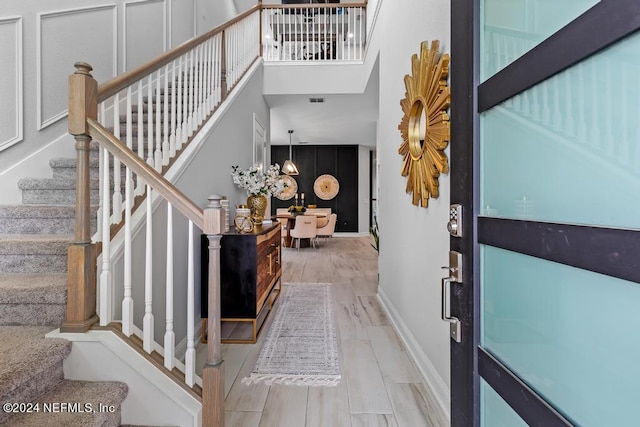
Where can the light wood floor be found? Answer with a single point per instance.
(380, 385)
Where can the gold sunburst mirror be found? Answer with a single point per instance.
(425, 124)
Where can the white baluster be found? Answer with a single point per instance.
(150, 148)
(116, 214)
(169, 335)
(216, 73)
(207, 74)
(362, 33)
(179, 90)
(190, 109)
(165, 121)
(172, 139)
(209, 97)
(147, 320)
(190, 355)
(139, 181)
(129, 119)
(185, 100)
(98, 235)
(199, 116)
(127, 302)
(157, 156)
(105, 275)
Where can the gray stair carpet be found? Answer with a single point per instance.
(78, 404)
(39, 219)
(33, 299)
(33, 253)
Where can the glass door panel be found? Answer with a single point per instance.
(568, 150)
(495, 411)
(510, 28)
(570, 334)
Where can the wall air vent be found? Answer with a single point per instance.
(316, 100)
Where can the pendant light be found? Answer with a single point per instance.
(289, 168)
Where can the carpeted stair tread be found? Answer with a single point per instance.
(90, 397)
(35, 211)
(39, 219)
(34, 244)
(33, 289)
(33, 299)
(54, 191)
(26, 354)
(51, 183)
(70, 162)
(34, 253)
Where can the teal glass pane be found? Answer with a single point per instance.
(494, 411)
(568, 150)
(510, 28)
(570, 334)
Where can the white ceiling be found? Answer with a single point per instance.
(339, 120)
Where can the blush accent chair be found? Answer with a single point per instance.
(329, 229)
(305, 228)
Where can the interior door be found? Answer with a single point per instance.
(545, 161)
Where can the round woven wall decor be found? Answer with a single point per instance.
(326, 187)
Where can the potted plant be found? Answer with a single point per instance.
(373, 230)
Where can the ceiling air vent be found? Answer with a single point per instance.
(316, 100)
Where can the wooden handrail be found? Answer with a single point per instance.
(313, 5)
(146, 172)
(115, 85)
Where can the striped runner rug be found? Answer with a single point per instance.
(301, 346)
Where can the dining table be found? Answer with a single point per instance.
(288, 221)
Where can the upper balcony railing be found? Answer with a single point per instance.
(318, 32)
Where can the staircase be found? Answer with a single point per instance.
(33, 286)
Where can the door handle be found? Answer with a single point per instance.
(454, 322)
(455, 275)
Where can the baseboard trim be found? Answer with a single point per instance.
(428, 372)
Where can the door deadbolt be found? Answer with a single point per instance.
(454, 226)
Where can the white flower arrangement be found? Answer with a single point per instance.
(256, 182)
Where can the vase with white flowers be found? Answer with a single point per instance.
(258, 185)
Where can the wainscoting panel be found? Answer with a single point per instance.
(61, 42)
(182, 25)
(143, 38)
(11, 125)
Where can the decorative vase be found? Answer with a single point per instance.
(258, 205)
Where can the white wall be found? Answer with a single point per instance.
(413, 241)
(40, 41)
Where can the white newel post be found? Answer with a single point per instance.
(213, 371)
